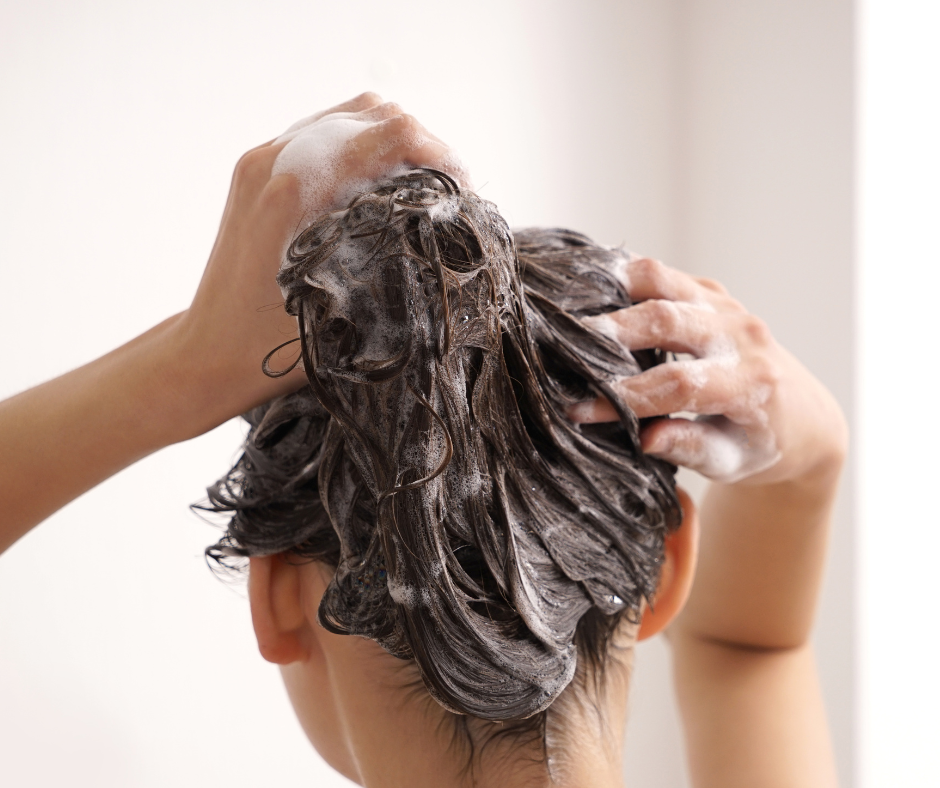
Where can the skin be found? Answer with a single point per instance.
(745, 674)
(739, 626)
(354, 703)
(200, 367)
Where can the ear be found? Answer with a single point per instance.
(277, 610)
(678, 571)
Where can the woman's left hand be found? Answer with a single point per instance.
(758, 414)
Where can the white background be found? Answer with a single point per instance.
(898, 435)
(718, 135)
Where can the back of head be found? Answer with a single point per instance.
(472, 526)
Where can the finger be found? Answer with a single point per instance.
(712, 445)
(645, 278)
(267, 144)
(711, 284)
(418, 147)
(361, 103)
(418, 152)
(668, 325)
(453, 166)
(398, 140)
(708, 386)
(379, 138)
(253, 169)
(391, 109)
(595, 411)
(384, 111)
(715, 450)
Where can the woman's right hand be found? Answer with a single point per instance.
(236, 317)
(201, 367)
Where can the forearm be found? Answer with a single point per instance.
(752, 718)
(762, 556)
(60, 439)
(203, 366)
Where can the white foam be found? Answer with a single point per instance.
(402, 594)
(314, 155)
(732, 441)
(721, 454)
(443, 210)
(720, 449)
(452, 164)
(621, 268)
(606, 325)
(731, 437)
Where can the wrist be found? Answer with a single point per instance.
(190, 383)
(813, 458)
(210, 377)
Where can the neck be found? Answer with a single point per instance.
(397, 736)
(370, 717)
(408, 740)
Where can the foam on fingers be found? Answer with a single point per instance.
(732, 437)
(715, 446)
(314, 156)
(338, 155)
(645, 278)
(668, 325)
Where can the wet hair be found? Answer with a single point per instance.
(473, 527)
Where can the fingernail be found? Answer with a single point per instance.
(582, 411)
(605, 325)
(660, 444)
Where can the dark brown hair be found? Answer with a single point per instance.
(473, 527)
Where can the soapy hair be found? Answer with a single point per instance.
(473, 527)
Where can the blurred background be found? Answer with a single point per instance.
(787, 148)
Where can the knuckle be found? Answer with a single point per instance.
(399, 126)
(756, 330)
(712, 284)
(408, 122)
(391, 108)
(253, 165)
(663, 318)
(680, 382)
(648, 268)
(369, 97)
(765, 373)
(280, 192)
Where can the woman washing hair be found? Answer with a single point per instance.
(469, 472)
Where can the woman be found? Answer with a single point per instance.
(771, 435)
